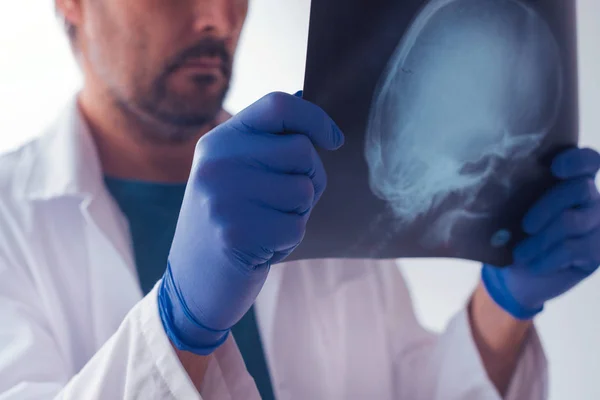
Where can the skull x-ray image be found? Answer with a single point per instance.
(450, 108)
(452, 111)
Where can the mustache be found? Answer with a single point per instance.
(207, 47)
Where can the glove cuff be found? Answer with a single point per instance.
(181, 327)
(493, 281)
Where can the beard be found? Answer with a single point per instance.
(194, 109)
(176, 114)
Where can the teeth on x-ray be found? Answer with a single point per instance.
(474, 84)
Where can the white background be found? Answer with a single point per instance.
(37, 75)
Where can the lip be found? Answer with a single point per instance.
(207, 63)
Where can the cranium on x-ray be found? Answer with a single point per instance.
(473, 84)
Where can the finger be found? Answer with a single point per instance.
(571, 223)
(287, 193)
(256, 234)
(571, 193)
(576, 163)
(280, 256)
(280, 192)
(278, 113)
(293, 154)
(288, 232)
(581, 253)
(271, 230)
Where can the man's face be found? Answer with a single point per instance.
(168, 61)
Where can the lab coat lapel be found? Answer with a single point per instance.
(116, 287)
(68, 166)
(112, 268)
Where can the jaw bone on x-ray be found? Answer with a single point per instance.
(449, 107)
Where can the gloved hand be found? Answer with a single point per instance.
(253, 184)
(563, 247)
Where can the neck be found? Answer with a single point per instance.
(130, 148)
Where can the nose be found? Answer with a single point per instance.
(219, 18)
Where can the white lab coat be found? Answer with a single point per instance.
(74, 325)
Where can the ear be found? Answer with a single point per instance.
(70, 10)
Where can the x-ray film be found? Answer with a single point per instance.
(452, 111)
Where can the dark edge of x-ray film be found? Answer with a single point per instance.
(381, 69)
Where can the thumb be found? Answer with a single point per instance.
(279, 113)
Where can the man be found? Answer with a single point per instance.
(145, 170)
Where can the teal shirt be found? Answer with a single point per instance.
(152, 210)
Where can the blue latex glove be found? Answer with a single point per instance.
(563, 247)
(253, 184)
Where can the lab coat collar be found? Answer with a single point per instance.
(66, 162)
